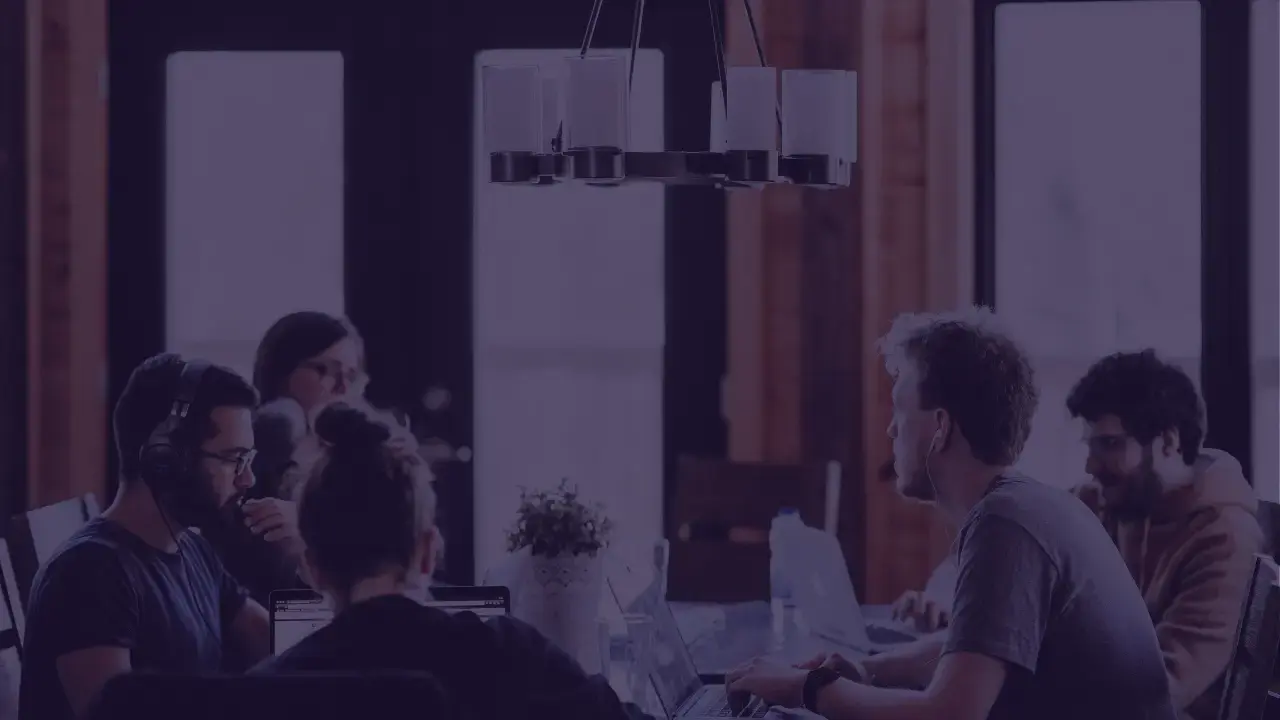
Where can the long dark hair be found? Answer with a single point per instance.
(292, 340)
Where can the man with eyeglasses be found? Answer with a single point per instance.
(135, 589)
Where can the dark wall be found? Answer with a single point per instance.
(13, 244)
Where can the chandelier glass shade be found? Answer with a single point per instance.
(793, 126)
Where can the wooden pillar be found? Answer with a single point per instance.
(816, 277)
(794, 311)
(66, 250)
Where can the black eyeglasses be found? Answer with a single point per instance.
(241, 461)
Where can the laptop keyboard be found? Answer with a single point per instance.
(716, 704)
(881, 635)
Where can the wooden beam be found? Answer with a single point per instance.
(793, 318)
(917, 136)
(816, 277)
(66, 250)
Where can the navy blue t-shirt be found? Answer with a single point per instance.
(500, 668)
(106, 587)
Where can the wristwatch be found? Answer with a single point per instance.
(817, 679)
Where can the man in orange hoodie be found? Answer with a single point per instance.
(1184, 518)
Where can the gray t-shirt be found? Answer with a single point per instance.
(1042, 587)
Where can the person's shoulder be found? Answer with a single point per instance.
(1018, 499)
(94, 550)
(93, 563)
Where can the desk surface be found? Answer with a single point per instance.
(721, 637)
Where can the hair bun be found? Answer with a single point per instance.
(345, 427)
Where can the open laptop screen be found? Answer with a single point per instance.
(296, 614)
(674, 675)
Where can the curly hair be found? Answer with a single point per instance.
(974, 371)
(1147, 394)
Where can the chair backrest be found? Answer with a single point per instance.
(1248, 676)
(737, 502)
(36, 534)
(11, 628)
(308, 696)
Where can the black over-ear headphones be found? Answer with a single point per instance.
(165, 461)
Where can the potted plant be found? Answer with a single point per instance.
(564, 538)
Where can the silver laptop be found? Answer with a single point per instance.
(682, 693)
(825, 598)
(295, 614)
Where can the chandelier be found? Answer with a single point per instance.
(575, 127)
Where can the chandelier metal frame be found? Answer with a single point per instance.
(615, 165)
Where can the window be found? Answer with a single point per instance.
(1265, 247)
(1098, 197)
(569, 333)
(254, 196)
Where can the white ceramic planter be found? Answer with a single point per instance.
(561, 598)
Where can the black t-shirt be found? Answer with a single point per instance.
(1042, 587)
(106, 587)
(500, 668)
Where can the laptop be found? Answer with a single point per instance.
(825, 598)
(296, 614)
(681, 691)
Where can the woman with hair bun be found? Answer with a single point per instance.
(366, 513)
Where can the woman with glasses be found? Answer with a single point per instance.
(311, 358)
(305, 361)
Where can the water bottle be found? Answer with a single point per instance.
(781, 605)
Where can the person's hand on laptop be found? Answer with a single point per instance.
(927, 615)
(769, 680)
(844, 667)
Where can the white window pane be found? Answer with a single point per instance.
(599, 427)
(254, 196)
(571, 265)
(1265, 248)
(569, 330)
(1098, 176)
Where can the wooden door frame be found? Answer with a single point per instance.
(440, 41)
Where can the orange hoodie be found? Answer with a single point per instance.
(1192, 559)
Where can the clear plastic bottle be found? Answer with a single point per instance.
(781, 603)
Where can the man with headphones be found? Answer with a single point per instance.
(1046, 622)
(134, 588)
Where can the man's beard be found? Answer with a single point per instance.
(196, 504)
(1141, 490)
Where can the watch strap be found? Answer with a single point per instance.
(817, 679)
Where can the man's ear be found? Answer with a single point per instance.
(1170, 443)
(943, 433)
